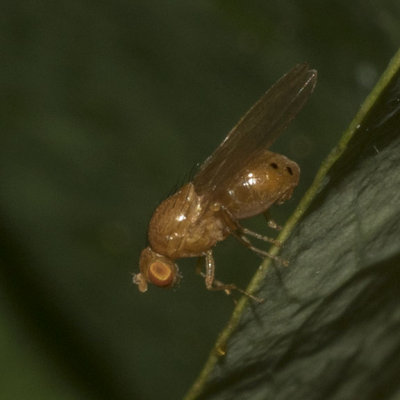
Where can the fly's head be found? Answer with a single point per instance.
(159, 270)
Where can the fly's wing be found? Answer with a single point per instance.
(257, 130)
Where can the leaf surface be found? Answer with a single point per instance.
(329, 327)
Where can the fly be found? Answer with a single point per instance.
(241, 179)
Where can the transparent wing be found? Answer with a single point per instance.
(256, 130)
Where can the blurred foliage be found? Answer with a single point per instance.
(105, 108)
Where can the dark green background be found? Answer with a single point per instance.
(105, 108)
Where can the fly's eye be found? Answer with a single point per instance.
(161, 274)
(289, 170)
(274, 165)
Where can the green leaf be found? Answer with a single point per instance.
(329, 326)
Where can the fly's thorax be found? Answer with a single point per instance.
(268, 179)
(184, 225)
(172, 219)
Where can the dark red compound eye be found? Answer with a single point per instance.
(160, 274)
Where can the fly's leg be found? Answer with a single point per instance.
(209, 276)
(210, 271)
(270, 222)
(240, 236)
(239, 232)
(214, 284)
(246, 231)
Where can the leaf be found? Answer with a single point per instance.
(329, 326)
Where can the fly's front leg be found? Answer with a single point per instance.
(214, 284)
(209, 276)
(210, 270)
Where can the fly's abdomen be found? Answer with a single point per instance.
(268, 179)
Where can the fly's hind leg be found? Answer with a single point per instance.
(270, 222)
(240, 236)
(214, 284)
(239, 232)
(246, 231)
